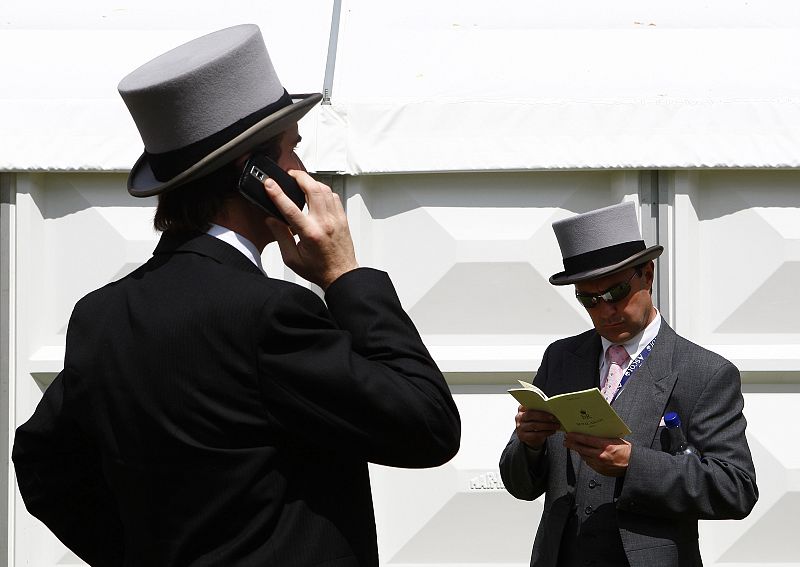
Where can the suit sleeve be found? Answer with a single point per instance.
(524, 472)
(356, 375)
(60, 479)
(720, 486)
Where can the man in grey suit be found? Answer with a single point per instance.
(617, 502)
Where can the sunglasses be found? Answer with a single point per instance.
(611, 295)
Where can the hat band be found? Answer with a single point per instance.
(167, 165)
(602, 257)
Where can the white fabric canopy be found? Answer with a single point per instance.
(438, 86)
(453, 86)
(61, 63)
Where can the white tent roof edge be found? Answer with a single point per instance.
(623, 94)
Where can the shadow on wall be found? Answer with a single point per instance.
(389, 195)
(471, 253)
(749, 241)
(726, 192)
(61, 194)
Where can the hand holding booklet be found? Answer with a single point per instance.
(585, 412)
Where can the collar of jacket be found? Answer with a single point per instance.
(205, 245)
(644, 399)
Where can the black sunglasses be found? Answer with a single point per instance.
(611, 295)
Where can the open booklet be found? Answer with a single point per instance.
(585, 412)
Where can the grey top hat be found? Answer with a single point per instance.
(203, 104)
(599, 243)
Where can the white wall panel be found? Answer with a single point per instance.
(737, 263)
(768, 535)
(459, 513)
(470, 255)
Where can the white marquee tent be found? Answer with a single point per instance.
(457, 132)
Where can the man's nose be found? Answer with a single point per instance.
(605, 308)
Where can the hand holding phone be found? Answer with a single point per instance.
(256, 171)
(318, 246)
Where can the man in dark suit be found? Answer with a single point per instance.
(207, 414)
(617, 502)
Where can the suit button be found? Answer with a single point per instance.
(593, 483)
(588, 510)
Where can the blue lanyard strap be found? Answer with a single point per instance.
(634, 366)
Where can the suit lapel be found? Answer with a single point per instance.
(581, 366)
(644, 398)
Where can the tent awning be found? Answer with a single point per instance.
(455, 86)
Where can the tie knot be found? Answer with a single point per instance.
(617, 354)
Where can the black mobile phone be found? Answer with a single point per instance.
(256, 171)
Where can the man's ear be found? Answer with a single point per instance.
(649, 275)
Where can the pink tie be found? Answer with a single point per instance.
(616, 356)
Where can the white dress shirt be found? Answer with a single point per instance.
(633, 346)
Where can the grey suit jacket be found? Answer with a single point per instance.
(661, 497)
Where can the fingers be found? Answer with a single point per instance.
(322, 201)
(585, 446)
(293, 215)
(320, 197)
(537, 420)
(324, 249)
(537, 426)
(534, 427)
(606, 456)
(325, 209)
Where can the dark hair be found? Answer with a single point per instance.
(191, 207)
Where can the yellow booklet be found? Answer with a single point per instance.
(585, 412)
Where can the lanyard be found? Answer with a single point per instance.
(634, 366)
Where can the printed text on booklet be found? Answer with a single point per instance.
(579, 412)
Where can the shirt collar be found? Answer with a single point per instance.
(638, 342)
(238, 241)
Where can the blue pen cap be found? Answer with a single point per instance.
(672, 420)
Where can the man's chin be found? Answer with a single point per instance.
(615, 333)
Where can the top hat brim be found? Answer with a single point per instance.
(563, 278)
(142, 181)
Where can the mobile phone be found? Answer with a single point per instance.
(256, 171)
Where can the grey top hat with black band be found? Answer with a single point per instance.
(203, 104)
(599, 243)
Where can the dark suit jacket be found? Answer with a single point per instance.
(661, 497)
(209, 415)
